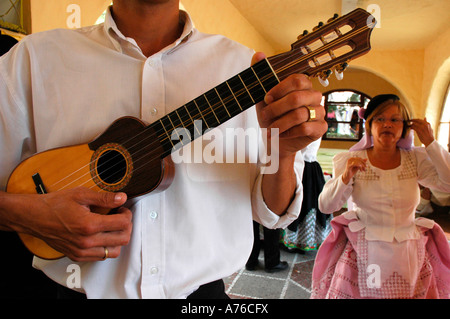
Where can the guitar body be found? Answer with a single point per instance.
(125, 158)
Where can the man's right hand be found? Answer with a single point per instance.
(66, 222)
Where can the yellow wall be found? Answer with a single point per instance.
(436, 76)
(41, 15)
(221, 17)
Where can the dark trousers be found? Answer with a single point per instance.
(270, 245)
(18, 278)
(212, 290)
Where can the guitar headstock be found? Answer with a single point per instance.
(329, 48)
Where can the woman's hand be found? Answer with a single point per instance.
(423, 130)
(354, 164)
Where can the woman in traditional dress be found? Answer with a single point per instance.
(311, 227)
(378, 249)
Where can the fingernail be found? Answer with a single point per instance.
(118, 198)
(268, 99)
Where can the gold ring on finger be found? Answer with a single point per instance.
(311, 114)
(106, 253)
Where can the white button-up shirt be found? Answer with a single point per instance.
(384, 201)
(65, 87)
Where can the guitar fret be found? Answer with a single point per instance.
(181, 121)
(245, 86)
(225, 107)
(259, 80)
(167, 134)
(234, 96)
(211, 108)
(229, 100)
(192, 120)
(197, 116)
(201, 114)
(175, 129)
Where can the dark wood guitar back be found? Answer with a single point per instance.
(129, 158)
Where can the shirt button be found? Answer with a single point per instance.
(153, 214)
(154, 270)
(154, 111)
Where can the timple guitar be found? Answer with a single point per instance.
(133, 158)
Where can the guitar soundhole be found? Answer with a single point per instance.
(111, 167)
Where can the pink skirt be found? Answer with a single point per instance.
(348, 266)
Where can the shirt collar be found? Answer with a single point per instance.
(116, 36)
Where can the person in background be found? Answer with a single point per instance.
(378, 249)
(271, 246)
(433, 202)
(311, 228)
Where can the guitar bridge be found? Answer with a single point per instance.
(40, 188)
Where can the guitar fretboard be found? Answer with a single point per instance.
(216, 106)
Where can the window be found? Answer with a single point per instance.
(342, 108)
(443, 135)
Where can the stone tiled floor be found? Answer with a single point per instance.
(292, 283)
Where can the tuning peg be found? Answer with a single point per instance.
(324, 82)
(318, 26)
(341, 68)
(339, 71)
(323, 77)
(335, 16)
(305, 32)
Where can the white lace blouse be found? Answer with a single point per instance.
(384, 201)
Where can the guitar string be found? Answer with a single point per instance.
(217, 106)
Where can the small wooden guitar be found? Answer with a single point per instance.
(132, 157)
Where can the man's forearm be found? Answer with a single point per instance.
(278, 189)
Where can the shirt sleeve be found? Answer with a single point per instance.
(263, 215)
(16, 140)
(433, 167)
(335, 192)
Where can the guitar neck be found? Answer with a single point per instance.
(215, 107)
(329, 48)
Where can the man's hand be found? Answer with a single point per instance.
(285, 108)
(66, 221)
